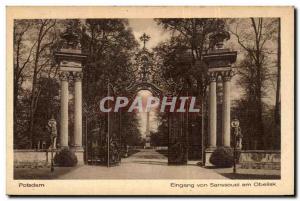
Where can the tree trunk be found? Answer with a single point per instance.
(33, 90)
(278, 99)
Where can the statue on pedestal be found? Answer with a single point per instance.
(53, 131)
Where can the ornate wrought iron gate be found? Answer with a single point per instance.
(178, 123)
(104, 142)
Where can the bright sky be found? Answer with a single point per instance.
(148, 26)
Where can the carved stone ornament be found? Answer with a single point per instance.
(212, 76)
(226, 75)
(77, 76)
(217, 39)
(64, 76)
(70, 36)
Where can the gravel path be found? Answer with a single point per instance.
(146, 164)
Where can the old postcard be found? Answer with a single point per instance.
(150, 100)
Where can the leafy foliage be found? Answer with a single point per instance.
(222, 157)
(177, 56)
(110, 46)
(65, 158)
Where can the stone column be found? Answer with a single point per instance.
(64, 115)
(212, 111)
(78, 110)
(226, 109)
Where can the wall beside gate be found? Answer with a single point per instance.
(31, 158)
(260, 159)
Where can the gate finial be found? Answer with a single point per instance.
(145, 38)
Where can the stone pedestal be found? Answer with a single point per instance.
(208, 153)
(79, 152)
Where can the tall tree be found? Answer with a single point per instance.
(110, 46)
(22, 59)
(278, 99)
(43, 55)
(255, 37)
(34, 44)
(22, 55)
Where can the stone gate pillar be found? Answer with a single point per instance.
(219, 61)
(64, 115)
(70, 61)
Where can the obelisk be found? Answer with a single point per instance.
(148, 130)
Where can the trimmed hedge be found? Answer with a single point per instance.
(222, 157)
(65, 158)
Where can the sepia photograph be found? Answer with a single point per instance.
(149, 98)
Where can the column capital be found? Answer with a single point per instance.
(212, 76)
(227, 75)
(64, 76)
(77, 76)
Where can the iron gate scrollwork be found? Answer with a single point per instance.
(178, 137)
(104, 142)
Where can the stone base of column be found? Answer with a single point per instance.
(208, 153)
(79, 152)
(63, 147)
